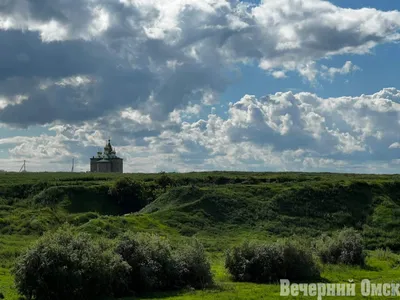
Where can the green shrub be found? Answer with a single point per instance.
(194, 269)
(150, 259)
(130, 195)
(165, 181)
(266, 263)
(384, 254)
(50, 196)
(154, 266)
(84, 218)
(67, 266)
(298, 262)
(346, 247)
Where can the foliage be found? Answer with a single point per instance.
(154, 266)
(220, 208)
(346, 247)
(129, 194)
(165, 181)
(194, 269)
(67, 266)
(264, 263)
(50, 196)
(150, 259)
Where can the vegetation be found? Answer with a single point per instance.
(346, 247)
(67, 266)
(268, 263)
(212, 213)
(64, 265)
(154, 266)
(129, 194)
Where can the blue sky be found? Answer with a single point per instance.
(284, 85)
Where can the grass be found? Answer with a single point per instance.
(221, 209)
(377, 271)
(11, 246)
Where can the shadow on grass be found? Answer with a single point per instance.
(371, 268)
(169, 294)
(215, 287)
(314, 280)
(161, 295)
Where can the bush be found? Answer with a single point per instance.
(384, 254)
(346, 247)
(266, 263)
(150, 259)
(298, 262)
(50, 196)
(84, 218)
(129, 194)
(154, 266)
(67, 266)
(194, 270)
(165, 181)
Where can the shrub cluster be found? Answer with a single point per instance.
(346, 247)
(154, 266)
(64, 265)
(266, 263)
(165, 181)
(67, 266)
(50, 196)
(133, 195)
(129, 194)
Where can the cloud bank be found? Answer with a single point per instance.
(75, 61)
(282, 131)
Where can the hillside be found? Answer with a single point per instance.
(308, 208)
(220, 209)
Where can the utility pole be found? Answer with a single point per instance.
(23, 168)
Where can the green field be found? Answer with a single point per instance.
(221, 209)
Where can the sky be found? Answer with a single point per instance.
(189, 85)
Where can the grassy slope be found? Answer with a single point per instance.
(220, 209)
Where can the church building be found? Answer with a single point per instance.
(106, 162)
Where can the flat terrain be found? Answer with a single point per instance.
(221, 209)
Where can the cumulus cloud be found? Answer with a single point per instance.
(282, 131)
(279, 74)
(347, 68)
(293, 131)
(75, 61)
(395, 146)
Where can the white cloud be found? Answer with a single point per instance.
(313, 72)
(37, 148)
(395, 146)
(173, 52)
(347, 68)
(282, 131)
(291, 131)
(279, 74)
(142, 72)
(74, 81)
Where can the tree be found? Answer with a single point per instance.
(164, 181)
(130, 194)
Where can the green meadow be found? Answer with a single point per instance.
(220, 209)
